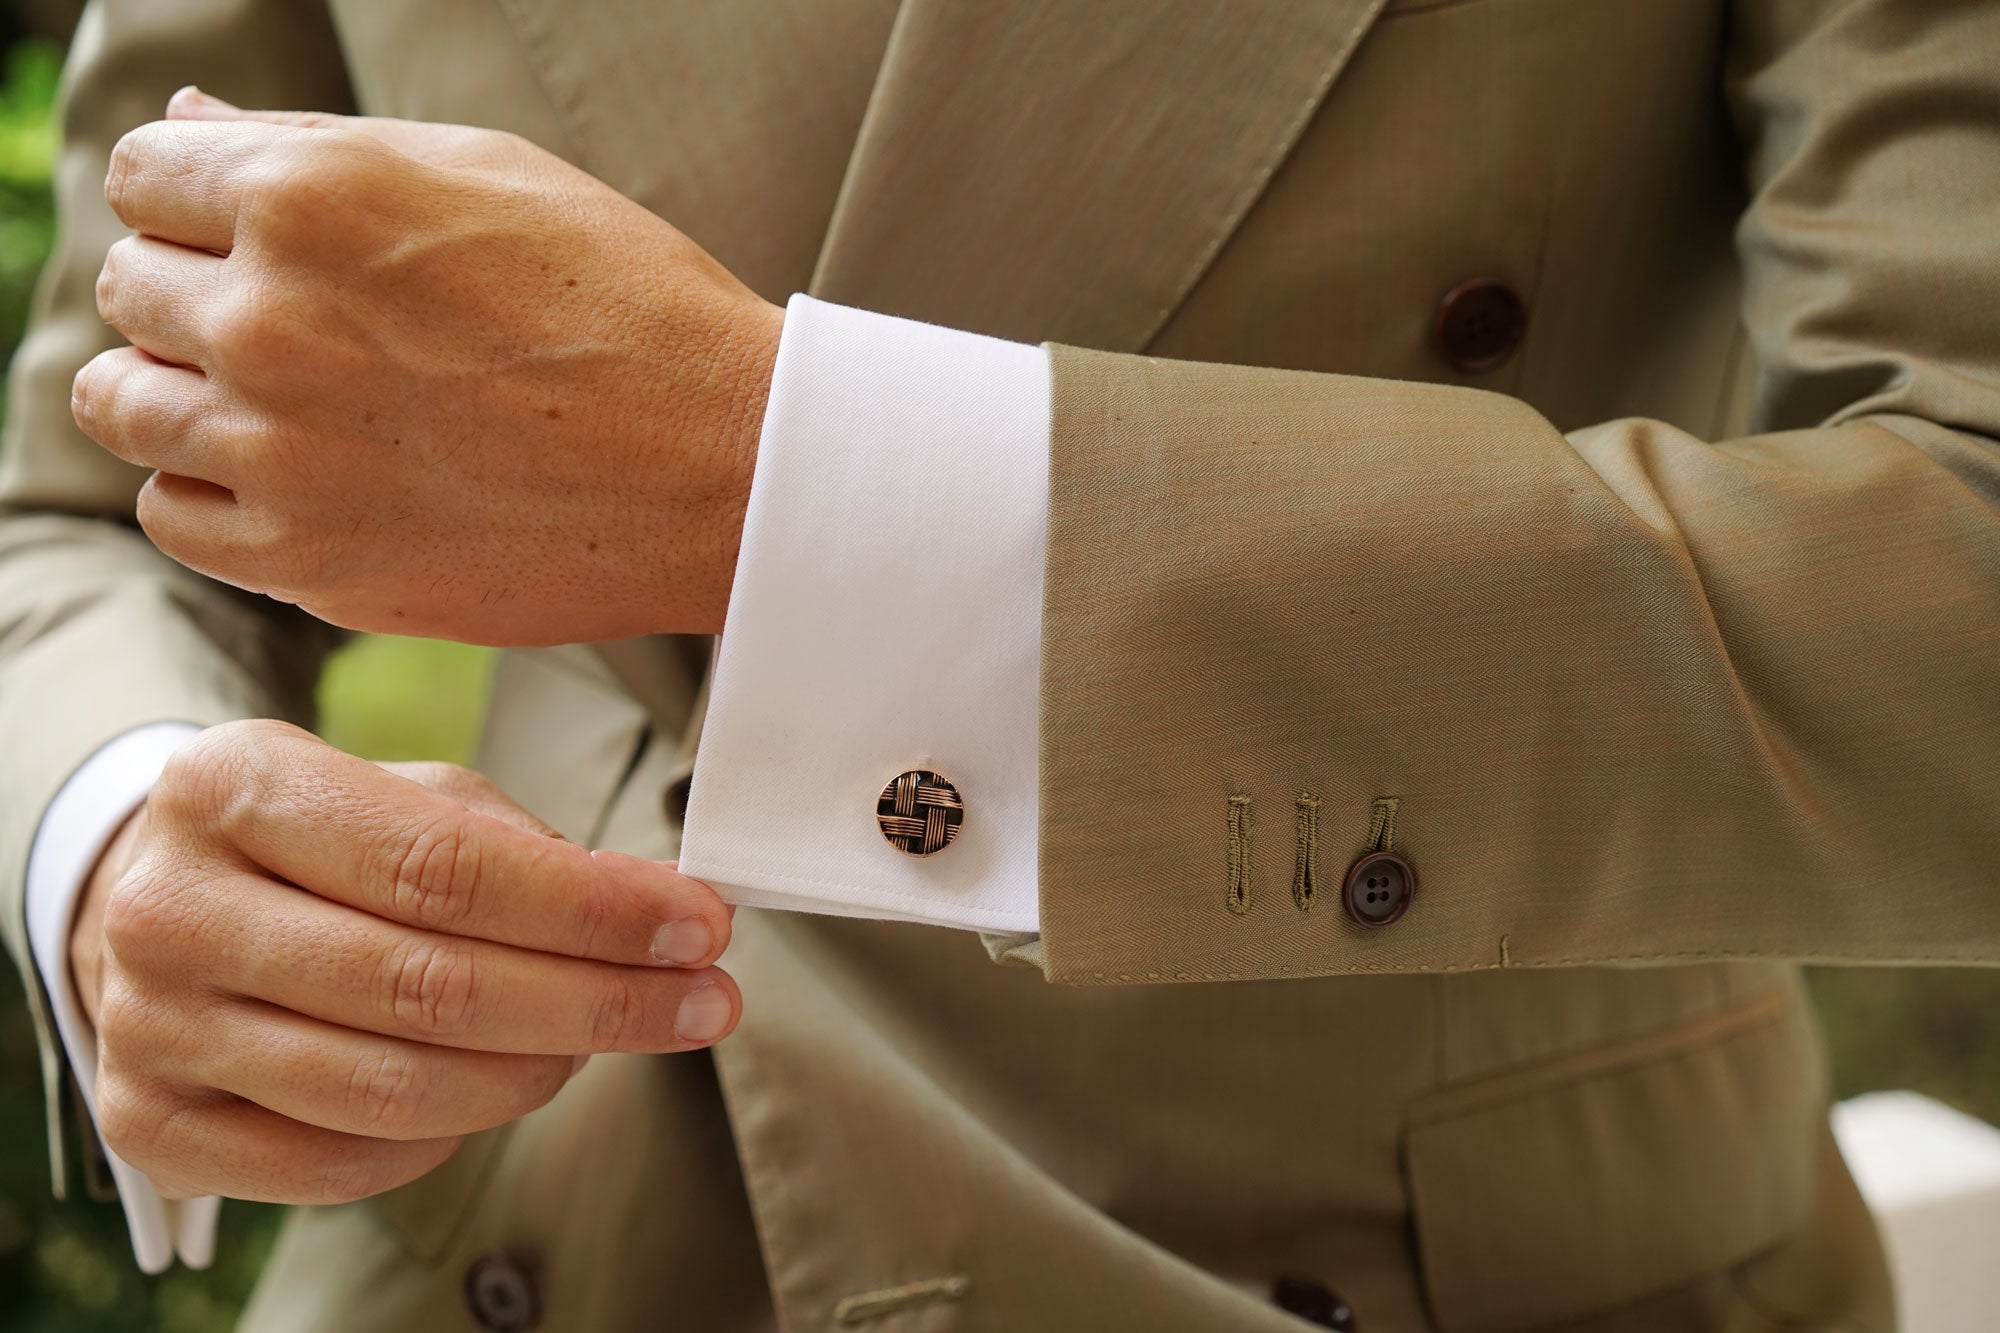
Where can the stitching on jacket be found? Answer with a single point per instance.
(1317, 969)
(1238, 898)
(1382, 824)
(1305, 866)
(867, 1305)
(1480, 1093)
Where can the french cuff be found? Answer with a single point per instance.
(870, 743)
(79, 823)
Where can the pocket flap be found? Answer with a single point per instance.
(1552, 1192)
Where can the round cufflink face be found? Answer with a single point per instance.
(919, 812)
(1379, 888)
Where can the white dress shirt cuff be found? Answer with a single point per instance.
(886, 616)
(79, 824)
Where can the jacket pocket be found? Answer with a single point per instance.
(1555, 1191)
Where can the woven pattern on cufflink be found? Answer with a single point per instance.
(919, 812)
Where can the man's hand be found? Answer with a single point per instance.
(313, 975)
(424, 378)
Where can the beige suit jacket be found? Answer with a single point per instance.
(1669, 640)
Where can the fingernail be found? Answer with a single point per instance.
(576, 1065)
(703, 1014)
(683, 942)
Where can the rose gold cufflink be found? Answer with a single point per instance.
(919, 812)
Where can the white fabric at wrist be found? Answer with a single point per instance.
(79, 824)
(886, 616)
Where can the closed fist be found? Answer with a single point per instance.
(424, 379)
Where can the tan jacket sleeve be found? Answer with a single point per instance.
(1637, 697)
(99, 633)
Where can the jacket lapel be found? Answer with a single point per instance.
(1061, 170)
(732, 121)
(1035, 169)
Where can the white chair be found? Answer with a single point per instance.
(1931, 1175)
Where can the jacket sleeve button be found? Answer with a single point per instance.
(1379, 888)
(500, 1295)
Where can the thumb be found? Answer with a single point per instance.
(191, 103)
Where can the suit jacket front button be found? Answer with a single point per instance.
(1379, 888)
(500, 1295)
(1479, 324)
(919, 812)
(1314, 1302)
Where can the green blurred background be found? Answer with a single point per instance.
(67, 1268)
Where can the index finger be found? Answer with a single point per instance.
(353, 833)
(184, 180)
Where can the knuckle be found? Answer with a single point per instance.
(254, 329)
(142, 913)
(387, 1092)
(275, 188)
(83, 397)
(107, 283)
(436, 875)
(147, 419)
(122, 1024)
(434, 774)
(268, 546)
(302, 183)
(202, 777)
(214, 785)
(343, 1179)
(278, 544)
(601, 914)
(135, 1122)
(351, 155)
(94, 395)
(123, 1120)
(617, 1017)
(233, 332)
(174, 535)
(118, 174)
(113, 280)
(344, 1176)
(434, 987)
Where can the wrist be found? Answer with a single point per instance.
(745, 364)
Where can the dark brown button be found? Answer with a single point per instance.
(500, 1295)
(1314, 1302)
(919, 812)
(1379, 888)
(1479, 324)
